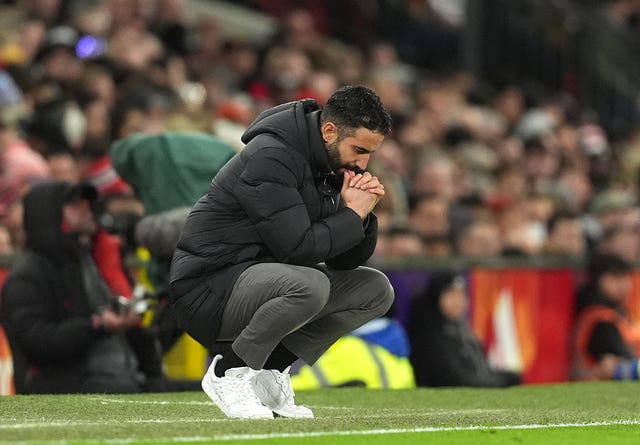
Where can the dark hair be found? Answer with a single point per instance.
(416, 198)
(561, 215)
(427, 305)
(611, 232)
(607, 263)
(353, 107)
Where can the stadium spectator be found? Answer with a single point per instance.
(609, 209)
(57, 56)
(6, 243)
(283, 230)
(621, 240)
(429, 215)
(520, 235)
(541, 163)
(66, 304)
(606, 342)
(391, 165)
(444, 349)
(401, 243)
(510, 103)
(437, 246)
(510, 186)
(572, 183)
(614, 207)
(480, 239)
(565, 236)
(435, 175)
(438, 182)
(20, 165)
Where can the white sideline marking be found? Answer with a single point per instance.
(68, 423)
(428, 429)
(105, 400)
(384, 414)
(230, 437)
(149, 402)
(65, 423)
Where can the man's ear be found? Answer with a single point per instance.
(329, 132)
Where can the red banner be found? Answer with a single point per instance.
(524, 318)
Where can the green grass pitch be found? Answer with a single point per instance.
(575, 413)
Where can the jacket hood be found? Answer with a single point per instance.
(297, 124)
(42, 210)
(438, 284)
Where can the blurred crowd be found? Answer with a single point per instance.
(471, 169)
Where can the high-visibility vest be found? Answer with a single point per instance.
(354, 361)
(583, 364)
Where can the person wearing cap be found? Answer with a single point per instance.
(610, 209)
(444, 349)
(58, 305)
(57, 55)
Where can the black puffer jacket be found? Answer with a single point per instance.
(276, 201)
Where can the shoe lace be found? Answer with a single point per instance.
(284, 381)
(239, 391)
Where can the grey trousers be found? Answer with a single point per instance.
(305, 308)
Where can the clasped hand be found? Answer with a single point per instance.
(361, 192)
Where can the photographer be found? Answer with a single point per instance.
(64, 307)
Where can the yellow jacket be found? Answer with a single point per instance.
(352, 361)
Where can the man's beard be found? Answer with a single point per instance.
(334, 156)
(335, 160)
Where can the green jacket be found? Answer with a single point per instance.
(169, 170)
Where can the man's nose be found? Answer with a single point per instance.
(362, 162)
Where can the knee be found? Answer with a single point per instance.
(315, 289)
(388, 294)
(381, 291)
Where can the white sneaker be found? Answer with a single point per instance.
(274, 390)
(233, 393)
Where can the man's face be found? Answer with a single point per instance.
(567, 237)
(482, 239)
(454, 303)
(350, 150)
(78, 217)
(615, 286)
